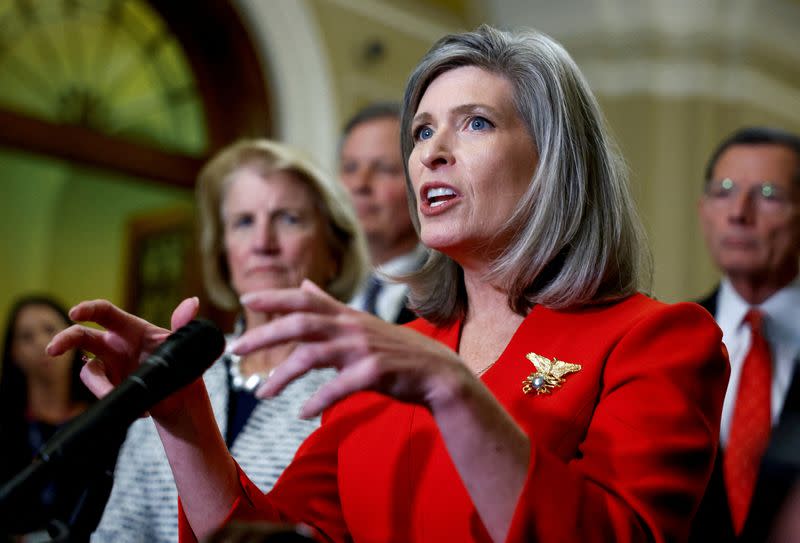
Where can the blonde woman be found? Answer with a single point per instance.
(267, 219)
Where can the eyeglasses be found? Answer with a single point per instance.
(765, 194)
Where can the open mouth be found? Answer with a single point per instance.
(439, 195)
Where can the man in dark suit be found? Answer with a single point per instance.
(371, 168)
(750, 215)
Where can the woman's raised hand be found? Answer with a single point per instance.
(369, 353)
(126, 341)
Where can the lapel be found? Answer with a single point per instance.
(780, 468)
(405, 315)
(791, 406)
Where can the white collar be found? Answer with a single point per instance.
(781, 309)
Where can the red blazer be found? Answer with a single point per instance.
(622, 451)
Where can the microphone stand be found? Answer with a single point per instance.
(77, 524)
(84, 443)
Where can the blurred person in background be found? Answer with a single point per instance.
(371, 168)
(750, 216)
(38, 395)
(268, 218)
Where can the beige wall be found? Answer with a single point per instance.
(65, 228)
(666, 143)
(404, 31)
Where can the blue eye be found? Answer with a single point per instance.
(479, 123)
(242, 221)
(424, 133)
(289, 218)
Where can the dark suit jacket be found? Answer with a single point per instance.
(405, 316)
(713, 520)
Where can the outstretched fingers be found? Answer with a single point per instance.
(292, 327)
(305, 357)
(185, 312)
(93, 375)
(307, 299)
(81, 337)
(352, 379)
(105, 314)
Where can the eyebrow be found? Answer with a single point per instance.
(458, 110)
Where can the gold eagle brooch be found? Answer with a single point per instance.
(549, 374)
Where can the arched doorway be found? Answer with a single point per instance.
(108, 108)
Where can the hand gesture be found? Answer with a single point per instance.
(369, 353)
(119, 349)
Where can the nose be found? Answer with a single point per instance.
(41, 339)
(743, 207)
(359, 180)
(264, 238)
(437, 150)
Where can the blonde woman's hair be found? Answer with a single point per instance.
(576, 236)
(343, 234)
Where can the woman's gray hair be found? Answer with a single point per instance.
(576, 236)
(343, 233)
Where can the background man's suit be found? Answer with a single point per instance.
(713, 521)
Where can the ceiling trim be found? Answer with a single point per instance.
(681, 79)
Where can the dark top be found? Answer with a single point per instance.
(73, 497)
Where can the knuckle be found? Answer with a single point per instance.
(361, 344)
(299, 319)
(306, 299)
(372, 367)
(308, 354)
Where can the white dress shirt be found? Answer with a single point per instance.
(392, 296)
(782, 332)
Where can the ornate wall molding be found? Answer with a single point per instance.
(740, 51)
(287, 36)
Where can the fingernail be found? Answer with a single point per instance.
(305, 529)
(262, 391)
(263, 387)
(245, 297)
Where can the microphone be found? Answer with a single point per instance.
(181, 359)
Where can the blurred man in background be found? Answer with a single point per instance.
(750, 215)
(371, 168)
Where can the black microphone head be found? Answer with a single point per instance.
(184, 355)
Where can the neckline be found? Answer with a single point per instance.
(453, 339)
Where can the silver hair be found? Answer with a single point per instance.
(576, 237)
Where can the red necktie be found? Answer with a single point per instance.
(751, 423)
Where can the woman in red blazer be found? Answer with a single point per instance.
(538, 398)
